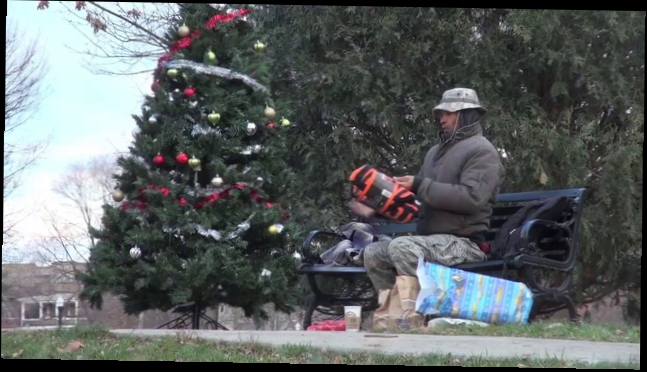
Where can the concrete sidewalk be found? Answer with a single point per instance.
(488, 347)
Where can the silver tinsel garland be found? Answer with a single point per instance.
(217, 71)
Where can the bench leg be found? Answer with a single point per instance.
(570, 306)
(311, 306)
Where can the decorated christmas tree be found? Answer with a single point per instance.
(202, 197)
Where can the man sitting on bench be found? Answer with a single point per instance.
(457, 186)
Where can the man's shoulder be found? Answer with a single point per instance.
(432, 150)
(480, 143)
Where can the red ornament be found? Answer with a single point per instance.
(271, 125)
(182, 201)
(188, 92)
(158, 160)
(185, 42)
(182, 158)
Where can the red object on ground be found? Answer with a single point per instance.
(329, 325)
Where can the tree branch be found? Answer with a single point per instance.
(162, 41)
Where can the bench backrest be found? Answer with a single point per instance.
(506, 206)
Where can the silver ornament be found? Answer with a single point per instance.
(259, 179)
(217, 181)
(256, 149)
(251, 129)
(152, 120)
(194, 104)
(135, 252)
(184, 264)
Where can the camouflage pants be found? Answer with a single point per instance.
(385, 260)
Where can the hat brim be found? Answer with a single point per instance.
(457, 106)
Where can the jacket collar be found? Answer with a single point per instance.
(462, 133)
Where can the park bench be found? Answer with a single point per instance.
(546, 247)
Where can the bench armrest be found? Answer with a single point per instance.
(306, 249)
(531, 234)
(530, 230)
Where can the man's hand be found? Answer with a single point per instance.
(361, 210)
(406, 182)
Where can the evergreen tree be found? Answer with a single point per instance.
(203, 193)
(564, 89)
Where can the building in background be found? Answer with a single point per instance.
(30, 292)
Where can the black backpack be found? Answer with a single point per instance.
(506, 240)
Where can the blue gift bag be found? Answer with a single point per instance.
(454, 293)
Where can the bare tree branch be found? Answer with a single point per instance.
(25, 71)
(86, 187)
(123, 36)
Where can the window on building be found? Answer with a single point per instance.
(50, 311)
(70, 309)
(32, 311)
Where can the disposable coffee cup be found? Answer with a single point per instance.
(353, 318)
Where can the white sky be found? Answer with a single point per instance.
(87, 115)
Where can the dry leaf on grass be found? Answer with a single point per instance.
(521, 365)
(337, 360)
(17, 354)
(457, 362)
(71, 346)
(619, 332)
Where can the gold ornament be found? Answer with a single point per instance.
(273, 229)
(211, 56)
(184, 31)
(194, 163)
(217, 181)
(269, 113)
(259, 47)
(172, 72)
(118, 196)
(213, 117)
(284, 122)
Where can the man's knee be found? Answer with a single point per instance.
(375, 254)
(405, 246)
(402, 242)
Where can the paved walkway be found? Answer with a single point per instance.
(492, 347)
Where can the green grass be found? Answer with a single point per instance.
(99, 344)
(562, 331)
